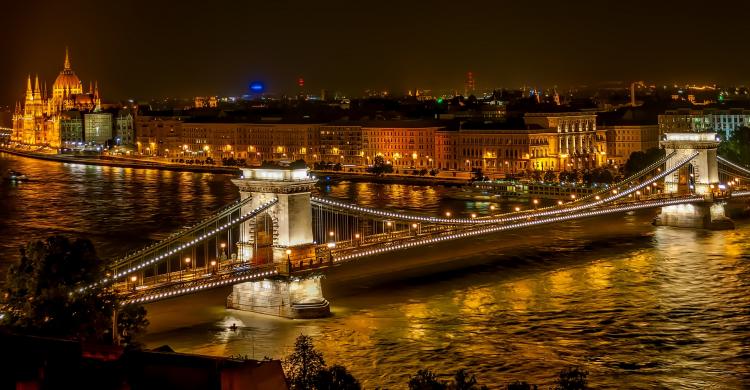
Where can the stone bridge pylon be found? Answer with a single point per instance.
(699, 176)
(279, 236)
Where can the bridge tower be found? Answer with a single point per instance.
(699, 176)
(277, 237)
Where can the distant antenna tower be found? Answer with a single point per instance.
(469, 86)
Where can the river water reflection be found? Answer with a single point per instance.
(638, 306)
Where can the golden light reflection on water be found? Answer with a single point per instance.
(598, 275)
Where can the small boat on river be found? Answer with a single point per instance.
(15, 176)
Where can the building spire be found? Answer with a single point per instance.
(36, 85)
(28, 85)
(67, 59)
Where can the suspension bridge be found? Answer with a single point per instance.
(274, 244)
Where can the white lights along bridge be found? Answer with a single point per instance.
(344, 232)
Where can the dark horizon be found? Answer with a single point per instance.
(143, 50)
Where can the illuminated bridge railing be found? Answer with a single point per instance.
(503, 218)
(733, 165)
(234, 275)
(186, 239)
(352, 254)
(626, 182)
(221, 214)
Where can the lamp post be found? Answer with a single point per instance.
(134, 279)
(289, 261)
(213, 266)
(331, 245)
(187, 266)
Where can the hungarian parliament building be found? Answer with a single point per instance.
(38, 120)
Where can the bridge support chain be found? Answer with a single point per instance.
(284, 296)
(699, 216)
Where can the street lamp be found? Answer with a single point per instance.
(213, 266)
(187, 265)
(133, 279)
(289, 260)
(448, 214)
(330, 245)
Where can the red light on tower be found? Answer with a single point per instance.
(301, 82)
(469, 85)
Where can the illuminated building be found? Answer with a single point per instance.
(71, 128)
(622, 140)
(206, 102)
(124, 130)
(341, 143)
(507, 151)
(37, 122)
(496, 148)
(580, 144)
(153, 132)
(175, 137)
(403, 144)
(97, 128)
(723, 122)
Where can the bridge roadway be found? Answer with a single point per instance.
(228, 272)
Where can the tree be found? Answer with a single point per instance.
(477, 174)
(131, 321)
(426, 380)
(51, 292)
(549, 176)
(462, 381)
(536, 175)
(572, 378)
(573, 176)
(379, 166)
(298, 164)
(304, 364)
(737, 147)
(588, 177)
(519, 385)
(638, 161)
(604, 176)
(336, 378)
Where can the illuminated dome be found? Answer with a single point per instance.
(66, 81)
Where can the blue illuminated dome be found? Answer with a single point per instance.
(257, 87)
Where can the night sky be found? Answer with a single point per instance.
(145, 49)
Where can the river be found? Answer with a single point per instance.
(637, 306)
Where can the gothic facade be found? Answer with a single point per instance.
(37, 121)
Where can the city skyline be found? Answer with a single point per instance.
(187, 49)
